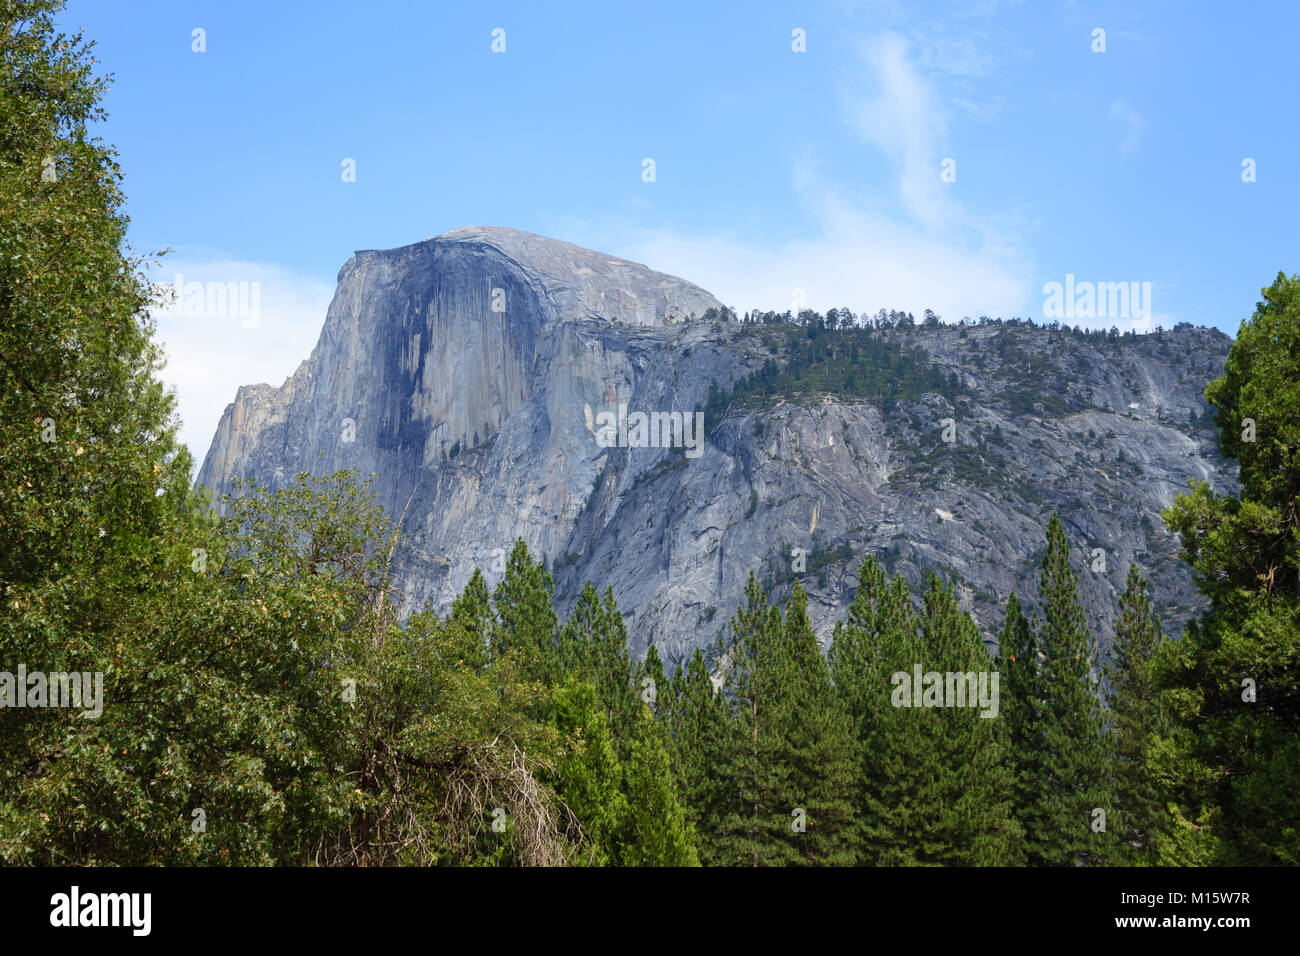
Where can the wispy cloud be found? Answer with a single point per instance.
(980, 111)
(926, 250)
(901, 117)
(1130, 122)
(856, 259)
(965, 55)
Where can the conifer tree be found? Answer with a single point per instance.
(1018, 724)
(786, 768)
(700, 726)
(1061, 819)
(818, 744)
(1135, 718)
(854, 653)
(648, 682)
(935, 786)
(878, 638)
(973, 823)
(526, 622)
(651, 829)
(1231, 762)
(593, 643)
(472, 621)
(617, 686)
(656, 831)
(757, 813)
(590, 779)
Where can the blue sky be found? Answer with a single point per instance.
(775, 170)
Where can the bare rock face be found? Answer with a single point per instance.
(461, 372)
(471, 374)
(434, 347)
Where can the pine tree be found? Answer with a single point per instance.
(1231, 763)
(473, 621)
(935, 786)
(854, 649)
(526, 621)
(699, 722)
(874, 641)
(755, 821)
(1018, 663)
(818, 744)
(590, 779)
(655, 831)
(784, 761)
(593, 643)
(649, 680)
(973, 824)
(1061, 821)
(617, 687)
(1135, 716)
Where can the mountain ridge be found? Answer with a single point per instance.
(478, 425)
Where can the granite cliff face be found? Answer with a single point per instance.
(471, 373)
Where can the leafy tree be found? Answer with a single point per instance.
(92, 480)
(268, 709)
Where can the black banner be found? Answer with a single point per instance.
(334, 905)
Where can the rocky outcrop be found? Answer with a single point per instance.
(471, 374)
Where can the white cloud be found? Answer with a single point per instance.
(856, 260)
(902, 119)
(937, 254)
(959, 55)
(209, 357)
(1130, 121)
(981, 111)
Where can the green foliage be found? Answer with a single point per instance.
(1231, 765)
(593, 643)
(1135, 716)
(264, 703)
(91, 478)
(816, 746)
(852, 362)
(526, 625)
(934, 783)
(786, 772)
(655, 831)
(642, 823)
(1062, 771)
(590, 778)
(698, 724)
(274, 692)
(1018, 662)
